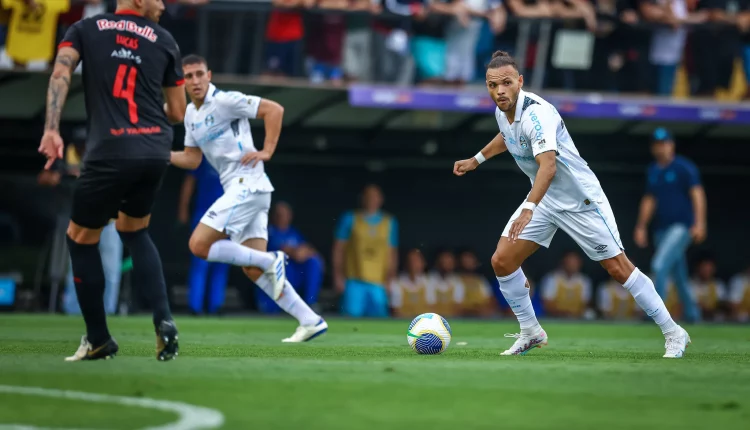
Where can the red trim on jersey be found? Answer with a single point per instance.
(180, 82)
(65, 44)
(128, 12)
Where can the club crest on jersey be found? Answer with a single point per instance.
(126, 54)
(209, 121)
(524, 142)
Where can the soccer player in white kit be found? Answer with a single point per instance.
(217, 125)
(565, 194)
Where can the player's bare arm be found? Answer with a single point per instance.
(645, 213)
(272, 115)
(57, 91)
(495, 147)
(545, 174)
(698, 230)
(188, 159)
(175, 104)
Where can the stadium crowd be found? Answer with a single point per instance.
(678, 47)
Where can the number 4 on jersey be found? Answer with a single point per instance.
(126, 89)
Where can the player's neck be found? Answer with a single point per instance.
(510, 114)
(198, 102)
(664, 162)
(126, 9)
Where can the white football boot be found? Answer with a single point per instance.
(676, 343)
(307, 332)
(525, 343)
(276, 272)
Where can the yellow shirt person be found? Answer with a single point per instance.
(615, 302)
(412, 295)
(566, 296)
(33, 28)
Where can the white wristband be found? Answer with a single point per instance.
(480, 158)
(529, 205)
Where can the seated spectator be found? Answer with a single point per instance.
(672, 300)
(709, 291)
(478, 299)
(739, 296)
(566, 292)
(358, 50)
(428, 44)
(411, 292)
(284, 34)
(449, 290)
(305, 268)
(365, 256)
(325, 49)
(615, 302)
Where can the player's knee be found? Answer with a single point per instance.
(252, 272)
(619, 268)
(503, 264)
(199, 247)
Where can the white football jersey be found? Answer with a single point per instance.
(537, 128)
(221, 129)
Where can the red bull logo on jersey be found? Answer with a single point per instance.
(145, 32)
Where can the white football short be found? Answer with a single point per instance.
(239, 213)
(595, 231)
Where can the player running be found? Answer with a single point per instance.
(128, 60)
(565, 194)
(217, 125)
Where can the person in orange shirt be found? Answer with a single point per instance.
(32, 29)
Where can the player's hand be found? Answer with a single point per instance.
(462, 167)
(640, 236)
(255, 157)
(51, 147)
(519, 224)
(698, 233)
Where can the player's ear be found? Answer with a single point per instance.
(209, 75)
(520, 81)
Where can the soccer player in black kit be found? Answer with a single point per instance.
(131, 66)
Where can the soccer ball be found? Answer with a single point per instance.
(429, 334)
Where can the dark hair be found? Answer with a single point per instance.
(500, 59)
(193, 59)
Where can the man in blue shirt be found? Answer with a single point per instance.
(209, 189)
(305, 268)
(676, 202)
(365, 256)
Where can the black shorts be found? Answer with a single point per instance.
(108, 187)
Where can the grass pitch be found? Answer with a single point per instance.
(362, 375)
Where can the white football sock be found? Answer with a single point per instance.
(644, 293)
(515, 290)
(290, 302)
(226, 251)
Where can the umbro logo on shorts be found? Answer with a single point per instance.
(600, 248)
(212, 214)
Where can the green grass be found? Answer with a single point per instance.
(362, 375)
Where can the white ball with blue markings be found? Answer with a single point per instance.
(429, 334)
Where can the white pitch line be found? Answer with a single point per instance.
(190, 417)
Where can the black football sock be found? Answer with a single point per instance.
(147, 263)
(88, 276)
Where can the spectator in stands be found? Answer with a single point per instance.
(739, 296)
(202, 275)
(391, 53)
(365, 256)
(676, 201)
(575, 9)
(80, 9)
(615, 302)
(668, 40)
(357, 61)
(429, 43)
(305, 268)
(566, 292)
(32, 29)
(284, 34)
(709, 291)
(449, 290)
(326, 47)
(462, 35)
(411, 292)
(715, 47)
(478, 298)
(743, 24)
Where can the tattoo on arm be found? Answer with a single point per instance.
(57, 92)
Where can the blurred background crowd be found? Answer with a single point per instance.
(682, 48)
(365, 207)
